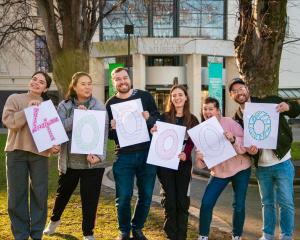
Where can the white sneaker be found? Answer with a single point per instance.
(50, 229)
(266, 237)
(236, 238)
(202, 238)
(91, 237)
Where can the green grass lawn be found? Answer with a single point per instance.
(106, 226)
(296, 151)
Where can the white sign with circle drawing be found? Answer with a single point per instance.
(45, 126)
(261, 125)
(209, 138)
(166, 145)
(88, 132)
(131, 126)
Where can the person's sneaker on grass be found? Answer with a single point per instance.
(138, 234)
(50, 229)
(123, 236)
(91, 237)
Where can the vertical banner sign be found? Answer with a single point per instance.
(111, 67)
(215, 83)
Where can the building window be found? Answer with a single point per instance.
(202, 18)
(132, 12)
(162, 18)
(159, 18)
(163, 61)
(161, 98)
(42, 56)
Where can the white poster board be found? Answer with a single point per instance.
(209, 138)
(88, 132)
(131, 126)
(45, 125)
(166, 145)
(261, 125)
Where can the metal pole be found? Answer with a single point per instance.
(128, 50)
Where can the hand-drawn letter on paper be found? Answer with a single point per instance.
(45, 125)
(261, 125)
(131, 127)
(166, 145)
(208, 137)
(88, 132)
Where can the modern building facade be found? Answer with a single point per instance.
(173, 41)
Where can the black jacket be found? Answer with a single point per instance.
(148, 105)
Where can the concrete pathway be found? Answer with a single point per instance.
(193, 210)
(223, 209)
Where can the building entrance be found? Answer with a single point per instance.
(161, 98)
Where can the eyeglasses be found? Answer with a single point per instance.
(236, 91)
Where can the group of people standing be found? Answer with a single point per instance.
(26, 165)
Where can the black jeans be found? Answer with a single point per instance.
(176, 200)
(90, 186)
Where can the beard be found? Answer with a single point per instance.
(241, 98)
(122, 89)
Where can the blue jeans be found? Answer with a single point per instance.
(125, 168)
(276, 185)
(214, 189)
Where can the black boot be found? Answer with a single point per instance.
(138, 234)
(123, 236)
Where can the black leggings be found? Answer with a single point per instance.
(90, 186)
(176, 200)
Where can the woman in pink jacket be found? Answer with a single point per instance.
(236, 170)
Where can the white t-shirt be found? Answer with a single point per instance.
(268, 158)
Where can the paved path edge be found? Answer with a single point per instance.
(217, 222)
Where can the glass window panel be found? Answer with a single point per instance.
(197, 18)
(296, 93)
(213, 33)
(131, 12)
(212, 7)
(163, 18)
(209, 20)
(42, 56)
(204, 18)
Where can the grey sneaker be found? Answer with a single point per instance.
(203, 238)
(236, 238)
(91, 237)
(50, 229)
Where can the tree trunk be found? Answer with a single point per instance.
(66, 63)
(69, 54)
(258, 45)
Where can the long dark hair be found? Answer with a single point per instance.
(48, 83)
(170, 111)
(71, 92)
